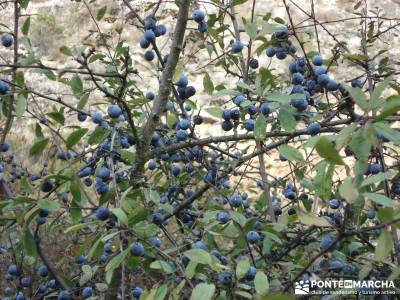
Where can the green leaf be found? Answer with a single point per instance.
(261, 283)
(76, 85)
(24, 3)
(214, 111)
(29, 243)
(268, 28)
(203, 291)
(291, 153)
(323, 180)
(116, 261)
(384, 246)
(121, 215)
(359, 97)
(242, 267)
(66, 51)
(388, 132)
(287, 121)
(376, 94)
(348, 190)
(57, 116)
(100, 14)
(326, 150)
(251, 30)
(75, 137)
(377, 178)
(199, 256)
(311, 219)
(345, 135)
(76, 227)
(49, 204)
(379, 199)
(208, 84)
(278, 98)
(162, 265)
(226, 92)
(37, 149)
(391, 107)
(26, 26)
(82, 101)
(260, 128)
(98, 135)
(20, 105)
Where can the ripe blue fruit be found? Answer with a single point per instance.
(251, 273)
(202, 27)
(317, 60)
(137, 249)
(42, 271)
(253, 63)
(149, 55)
(26, 282)
(160, 30)
(149, 35)
(7, 40)
(104, 173)
(181, 135)
(270, 51)
(332, 85)
(114, 111)
(43, 213)
(237, 46)
(184, 124)
(282, 34)
(236, 200)
(249, 124)
(323, 79)
(375, 168)
(102, 213)
(297, 78)
(252, 109)
(136, 292)
(198, 15)
(281, 53)
(101, 187)
(150, 23)
(86, 171)
(313, 128)
(41, 288)
(52, 284)
(97, 117)
(175, 170)
(64, 295)
(150, 95)
(252, 237)
(200, 245)
(235, 114)
(87, 292)
(144, 43)
(225, 278)
(300, 104)
(81, 259)
(40, 220)
(20, 296)
(183, 81)
(277, 211)
(291, 211)
(155, 241)
(82, 117)
(47, 186)
(4, 87)
(371, 214)
(334, 203)
(356, 83)
(223, 217)
(152, 165)
(4, 146)
(158, 218)
(326, 241)
(319, 70)
(239, 100)
(227, 125)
